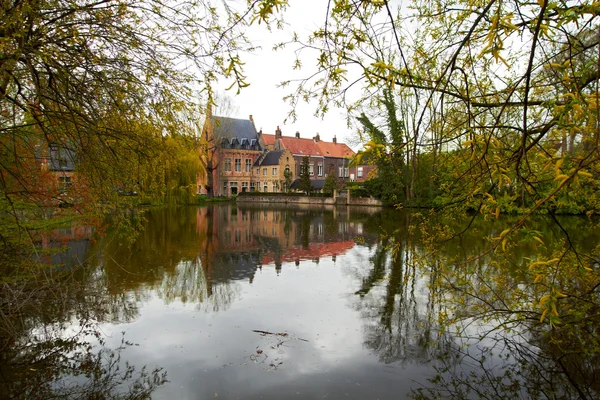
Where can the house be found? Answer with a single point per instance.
(270, 171)
(231, 147)
(238, 158)
(324, 157)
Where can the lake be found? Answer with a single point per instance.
(257, 302)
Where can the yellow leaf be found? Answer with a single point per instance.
(584, 173)
(535, 264)
(497, 212)
(543, 315)
(539, 240)
(538, 278)
(544, 299)
(504, 244)
(558, 164)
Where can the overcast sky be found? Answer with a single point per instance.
(266, 68)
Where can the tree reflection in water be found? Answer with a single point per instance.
(478, 320)
(51, 346)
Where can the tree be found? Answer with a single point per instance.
(330, 184)
(503, 98)
(102, 80)
(305, 183)
(287, 182)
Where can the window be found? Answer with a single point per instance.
(359, 173)
(248, 165)
(340, 172)
(275, 187)
(238, 164)
(252, 188)
(265, 187)
(234, 188)
(238, 235)
(265, 171)
(224, 189)
(244, 186)
(311, 170)
(228, 165)
(320, 169)
(257, 171)
(346, 172)
(274, 171)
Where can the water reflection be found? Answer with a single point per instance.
(358, 304)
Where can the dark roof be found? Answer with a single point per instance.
(229, 128)
(271, 158)
(317, 184)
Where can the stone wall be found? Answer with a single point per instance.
(340, 201)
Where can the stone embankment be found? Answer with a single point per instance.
(338, 201)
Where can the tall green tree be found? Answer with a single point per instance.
(305, 183)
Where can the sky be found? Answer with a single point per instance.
(266, 68)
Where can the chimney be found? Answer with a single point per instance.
(252, 120)
(298, 134)
(277, 133)
(334, 139)
(317, 138)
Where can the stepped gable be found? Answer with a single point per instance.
(336, 150)
(303, 147)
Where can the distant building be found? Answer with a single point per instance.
(270, 169)
(324, 157)
(238, 158)
(231, 147)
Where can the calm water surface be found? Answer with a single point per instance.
(248, 302)
(200, 282)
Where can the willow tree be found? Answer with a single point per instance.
(508, 93)
(106, 81)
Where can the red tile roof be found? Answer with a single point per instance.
(337, 150)
(269, 139)
(314, 250)
(298, 146)
(308, 147)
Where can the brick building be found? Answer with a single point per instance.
(324, 157)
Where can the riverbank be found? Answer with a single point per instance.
(335, 201)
